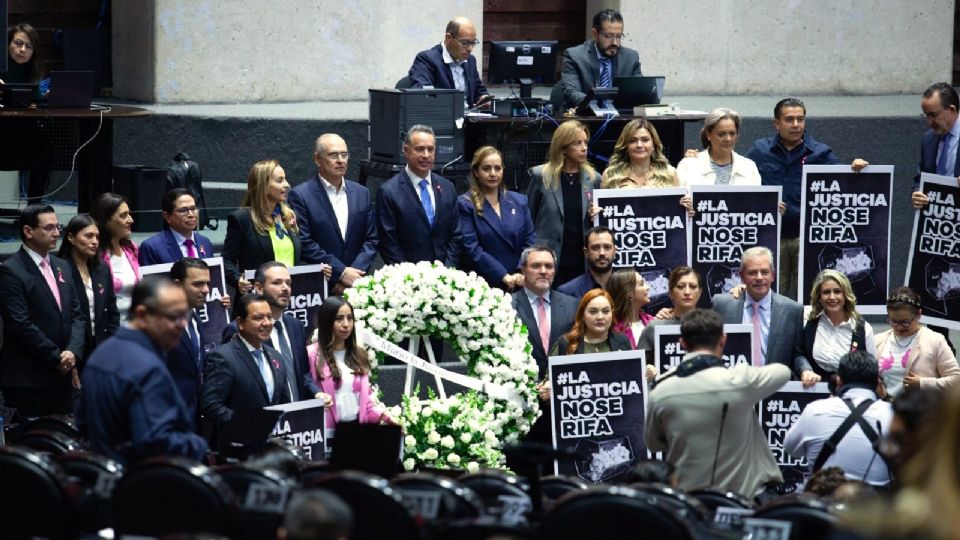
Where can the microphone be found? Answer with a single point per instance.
(449, 163)
(716, 453)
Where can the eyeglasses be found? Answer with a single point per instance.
(901, 322)
(172, 317)
(19, 43)
(466, 42)
(339, 155)
(613, 37)
(50, 227)
(186, 210)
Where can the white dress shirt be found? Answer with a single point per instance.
(456, 68)
(833, 342)
(268, 373)
(348, 405)
(416, 187)
(338, 200)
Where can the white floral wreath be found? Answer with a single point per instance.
(427, 299)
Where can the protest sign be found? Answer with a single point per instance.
(598, 403)
(845, 226)
(730, 220)
(303, 423)
(308, 289)
(933, 267)
(777, 414)
(668, 352)
(651, 234)
(213, 316)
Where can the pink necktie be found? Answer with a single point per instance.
(51, 282)
(543, 323)
(757, 335)
(190, 251)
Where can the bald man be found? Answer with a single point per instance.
(336, 218)
(450, 64)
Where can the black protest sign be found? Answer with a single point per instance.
(668, 352)
(650, 231)
(213, 316)
(308, 289)
(933, 269)
(598, 404)
(845, 226)
(730, 220)
(303, 423)
(778, 413)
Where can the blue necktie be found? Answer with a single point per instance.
(425, 201)
(264, 372)
(944, 152)
(605, 80)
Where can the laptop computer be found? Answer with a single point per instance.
(640, 90)
(70, 89)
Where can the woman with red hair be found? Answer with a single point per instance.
(591, 331)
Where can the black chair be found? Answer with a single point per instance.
(262, 495)
(557, 486)
(403, 83)
(311, 472)
(713, 499)
(810, 518)
(436, 498)
(504, 496)
(684, 505)
(611, 513)
(54, 422)
(95, 477)
(172, 495)
(33, 499)
(47, 440)
(379, 506)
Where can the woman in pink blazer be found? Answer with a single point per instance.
(912, 356)
(340, 368)
(117, 250)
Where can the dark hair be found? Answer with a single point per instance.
(178, 272)
(904, 297)
(525, 255)
(169, 201)
(610, 15)
(650, 470)
(948, 95)
(241, 307)
(621, 284)
(788, 102)
(146, 291)
(317, 514)
(599, 229)
(36, 60)
(701, 329)
(679, 273)
(825, 481)
(355, 358)
(261, 274)
(30, 217)
(102, 210)
(917, 408)
(858, 367)
(76, 224)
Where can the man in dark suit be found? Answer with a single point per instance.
(777, 320)
(43, 327)
(597, 61)
(417, 211)
(337, 223)
(186, 360)
(450, 64)
(130, 408)
(178, 238)
(600, 252)
(244, 373)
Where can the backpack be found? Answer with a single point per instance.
(185, 173)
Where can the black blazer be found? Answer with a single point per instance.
(617, 342)
(246, 249)
(232, 381)
(298, 346)
(106, 316)
(35, 329)
(563, 309)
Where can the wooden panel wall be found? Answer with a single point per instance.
(504, 20)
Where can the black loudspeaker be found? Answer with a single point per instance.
(144, 188)
(393, 112)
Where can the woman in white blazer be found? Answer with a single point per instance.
(718, 164)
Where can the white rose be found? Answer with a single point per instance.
(409, 464)
(453, 459)
(490, 436)
(427, 411)
(447, 442)
(433, 437)
(410, 440)
(473, 467)
(431, 453)
(466, 438)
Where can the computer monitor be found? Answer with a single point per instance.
(526, 62)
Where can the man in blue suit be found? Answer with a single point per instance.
(417, 211)
(600, 252)
(450, 64)
(177, 239)
(336, 219)
(186, 361)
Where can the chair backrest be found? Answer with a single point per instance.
(713, 499)
(684, 505)
(810, 518)
(436, 498)
(172, 495)
(95, 476)
(33, 501)
(379, 504)
(262, 496)
(611, 513)
(47, 440)
(556, 486)
(504, 496)
(404, 83)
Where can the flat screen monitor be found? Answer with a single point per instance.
(527, 62)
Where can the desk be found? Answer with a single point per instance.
(95, 161)
(524, 142)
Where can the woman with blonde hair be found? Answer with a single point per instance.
(718, 164)
(263, 229)
(834, 327)
(560, 196)
(592, 328)
(495, 223)
(638, 160)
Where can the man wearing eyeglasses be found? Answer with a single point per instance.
(336, 219)
(178, 238)
(451, 65)
(43, 325)
(597, 61)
